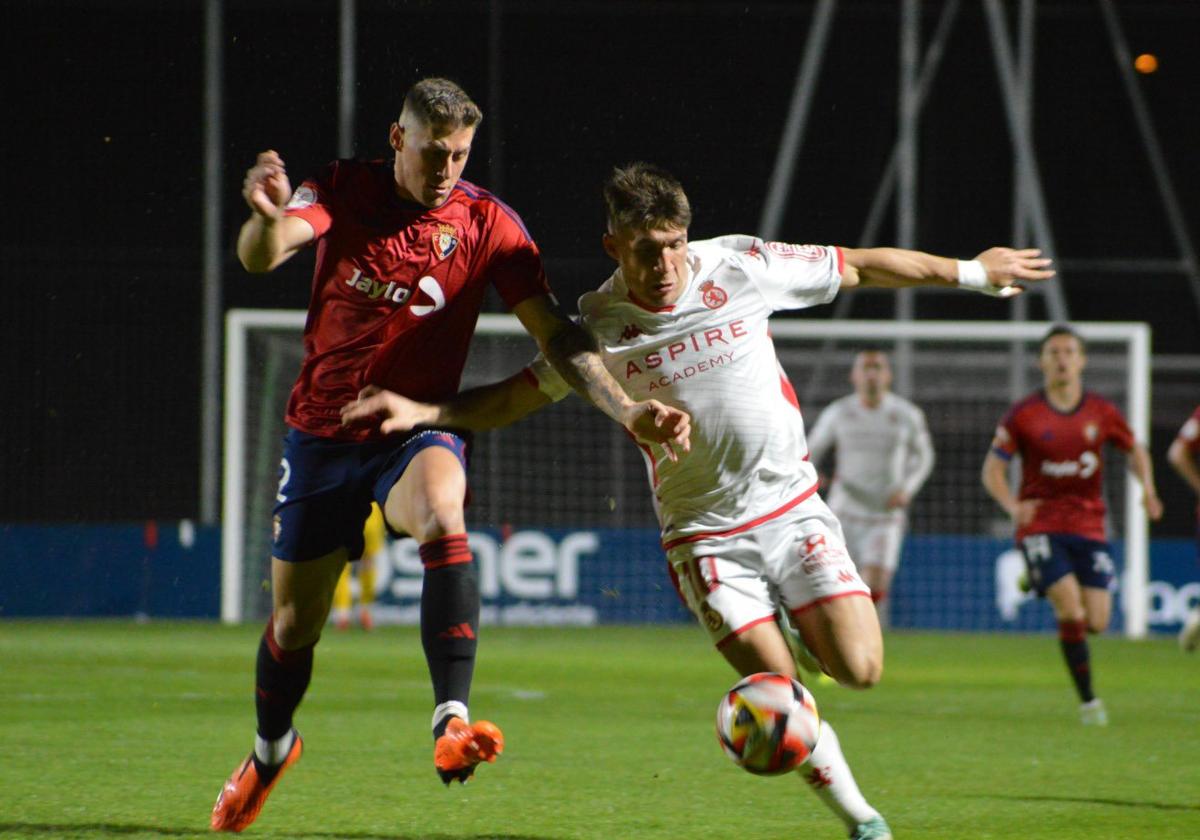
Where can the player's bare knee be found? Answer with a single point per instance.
(860, 671)
(296, 626)
(443, 515)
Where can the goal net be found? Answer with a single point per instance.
(561, 519)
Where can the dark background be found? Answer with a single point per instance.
(101, 247)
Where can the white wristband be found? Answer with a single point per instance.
(972, 275)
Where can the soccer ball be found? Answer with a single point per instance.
(768, 724)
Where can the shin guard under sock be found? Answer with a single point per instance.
(449, 616)
(1072, 637)
(281, 678)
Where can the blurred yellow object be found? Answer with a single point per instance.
(1146, 63)
(374, 541)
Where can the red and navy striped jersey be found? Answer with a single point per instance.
(397, 288)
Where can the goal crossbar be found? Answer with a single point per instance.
(1135, 336)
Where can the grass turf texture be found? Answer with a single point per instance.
(123, 730)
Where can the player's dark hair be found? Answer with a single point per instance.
(442, 104)
(872, 349)
(1061, 329)
(642, 195)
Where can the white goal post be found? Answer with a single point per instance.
(816, 354)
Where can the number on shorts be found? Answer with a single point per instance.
(1037, 548)
(1102, 564)
(285, 472)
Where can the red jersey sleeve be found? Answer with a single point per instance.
(1004, 441)
(514, 264)
(1118, 431)
(1190, 432)
(313, 199)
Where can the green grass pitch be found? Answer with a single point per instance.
(122, 730)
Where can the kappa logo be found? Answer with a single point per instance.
(445, 240)
(714, 296)
(845, 577)
(631, 331)
(819, 777)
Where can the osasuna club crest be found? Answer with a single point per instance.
(445, 240)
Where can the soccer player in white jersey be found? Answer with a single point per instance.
(884, 455)
(742, 525)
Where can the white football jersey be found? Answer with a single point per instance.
(879, 450)
(710, 354)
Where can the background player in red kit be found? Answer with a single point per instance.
(1184, 456)
(1059, 433)
(405, 252)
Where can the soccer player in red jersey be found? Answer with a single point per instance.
(405, 251)
(1184, 456)
(752, 549)
(1059, 434)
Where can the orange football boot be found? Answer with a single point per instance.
(244, 794)
(463, 745)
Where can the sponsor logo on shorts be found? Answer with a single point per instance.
(816, 553)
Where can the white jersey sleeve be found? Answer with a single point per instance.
(823, 435)
(919, 463)
(792, 276)
(547, 379)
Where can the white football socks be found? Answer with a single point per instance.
(828, 774)
(272, 753)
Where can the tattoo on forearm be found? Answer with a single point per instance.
(573, 353)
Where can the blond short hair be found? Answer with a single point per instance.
(441, 103)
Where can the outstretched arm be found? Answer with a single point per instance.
(1185, 464)
(572, 352)
(478, 409)
(1143, 468)
(918, 464)
(996, 271)
(268, 237)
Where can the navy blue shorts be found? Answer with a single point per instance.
(326, 487)
(1051, 557)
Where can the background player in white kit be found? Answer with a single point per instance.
(743, 528)
(884, 455)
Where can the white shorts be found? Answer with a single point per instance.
(873, 540)
(735, 581)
